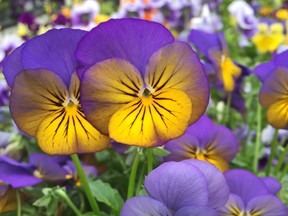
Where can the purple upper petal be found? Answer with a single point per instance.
(245, 184)
(144, 206)
(177, 184)
(53, 50)
(130, 39)
(263, 70)
(17, 174)
(218, 190)
(196, 211)
(273, 185)
(267, 206)
(205, 41)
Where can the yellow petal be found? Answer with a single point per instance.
(219, 162)
(277, 114)
(228, 82)
(35, 95)
(177, 66)
(106, 87)
(153, 120)
(68, 132)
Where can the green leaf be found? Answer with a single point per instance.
(43, 201)
(159, 151)
(104, 193)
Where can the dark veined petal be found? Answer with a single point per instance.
(266, 206)
(131, 39)
(176, 66)
(152, 121)
(35, 95)
(144, 206)
(273, 96)
(42, 106)
(234, 206)
(177, 184)
(106, 87)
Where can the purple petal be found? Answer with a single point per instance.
(218, 190)
(54, 51)
(12, 65)
(130, 39)
(204, 41)
(177, 184)
(266, 206)
(273, 185)
(16, 174)
(196, 211)
(144, 206)
(245, 184)
(47, 166)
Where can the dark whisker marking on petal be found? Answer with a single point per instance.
(86, 131)
(160, 114)
(55, 95)
(163, 98)
(134, 84)
(66, 128)
(126, 93)
(158, 89)
(136, 116)
(162, 73)
(138, 102)
(128, 86)
(132, 110)
(56, 103)
(60, 123)
(61, 113)
(171, 112)
(142, 119)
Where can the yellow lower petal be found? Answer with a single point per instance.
(277, 114)
(146, 122)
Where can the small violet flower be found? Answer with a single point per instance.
(138, 84)
(251, 195)
(204, 141)
(186, 188)
(44, 100)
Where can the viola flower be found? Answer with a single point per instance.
(254, 198)
(83, 15)
(273, 97)
(138, 85)
(215, 49)
(40, 168)
(45, 94)
(218, 146)
(189, 187)
(269, 37)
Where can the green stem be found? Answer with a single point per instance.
(285, 170)
(258, 138)
(150, 159)
(18, 203)
(227, 109)
(64, 196)
(273, 152)
(85, 184)
(281, 160)
(140, 180)
(132, 177)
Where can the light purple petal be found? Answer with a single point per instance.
(177, 184)
(196, 211)
(54, 51)
(144, 206)
(273, 185)
(218, 190)
(130, 39)
(245, 184)
(12, 65)
(234, 206)
(16, 174)
(266, 206)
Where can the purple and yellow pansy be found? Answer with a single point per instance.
(45, 94)
(139, 86)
